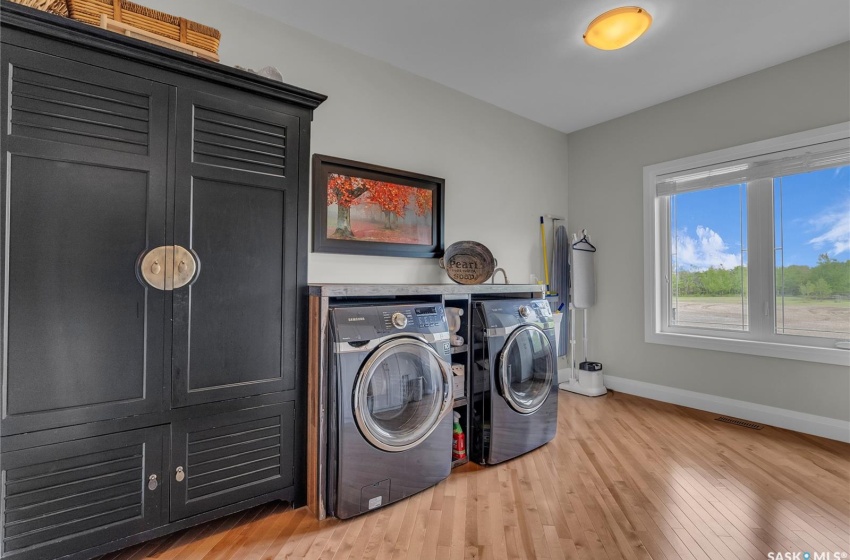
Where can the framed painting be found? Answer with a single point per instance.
(365, 209)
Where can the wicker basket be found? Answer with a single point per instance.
(58, 7)
(146, 19)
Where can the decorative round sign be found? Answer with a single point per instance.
(468, 262)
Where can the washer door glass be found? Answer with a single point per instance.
(527, 369)
(401, 393)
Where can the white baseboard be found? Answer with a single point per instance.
(789, 419)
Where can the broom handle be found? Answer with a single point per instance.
(545, 262)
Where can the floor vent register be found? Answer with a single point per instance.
(737, 422)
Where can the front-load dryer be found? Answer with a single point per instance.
(390, 395)
(514, 383)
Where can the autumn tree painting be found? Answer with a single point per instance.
(365, 209)
(391, 212)
(345, 192)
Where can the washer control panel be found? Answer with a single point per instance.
(364, 323)
(539, 308)
(413, 318)
(516, 312)
(395, 319)
(430, 316)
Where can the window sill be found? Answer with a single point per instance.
(834, 356)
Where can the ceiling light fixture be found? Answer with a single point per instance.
(617, 28)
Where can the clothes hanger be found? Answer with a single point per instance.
(584, 243)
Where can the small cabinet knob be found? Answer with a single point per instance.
(156, 268)
(152, 482)
(179, 475)
(181, 268)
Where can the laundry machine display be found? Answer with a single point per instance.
(390, 392)
(514, 379)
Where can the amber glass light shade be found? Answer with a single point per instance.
(617, 28)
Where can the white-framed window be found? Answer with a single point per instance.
(747, 249)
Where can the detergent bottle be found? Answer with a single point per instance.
(458, 440)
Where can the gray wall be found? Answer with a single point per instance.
(606, 189)
(502, 171)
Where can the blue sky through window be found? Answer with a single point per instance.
(710, 228)
(710, 225)
(815, 215)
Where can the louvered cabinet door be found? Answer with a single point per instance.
(84, 190)
(236, 210)
(227, 458)
(75, 495)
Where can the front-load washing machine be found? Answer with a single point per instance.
(514, 382)
(390, 395)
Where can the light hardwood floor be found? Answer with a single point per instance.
(625, 477)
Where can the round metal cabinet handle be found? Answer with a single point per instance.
(152, 482)
(183, 270)
(179, 475)
(186, 268)
(151, 271)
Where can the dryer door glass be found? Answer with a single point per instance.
(401, 393)
(526, 369)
